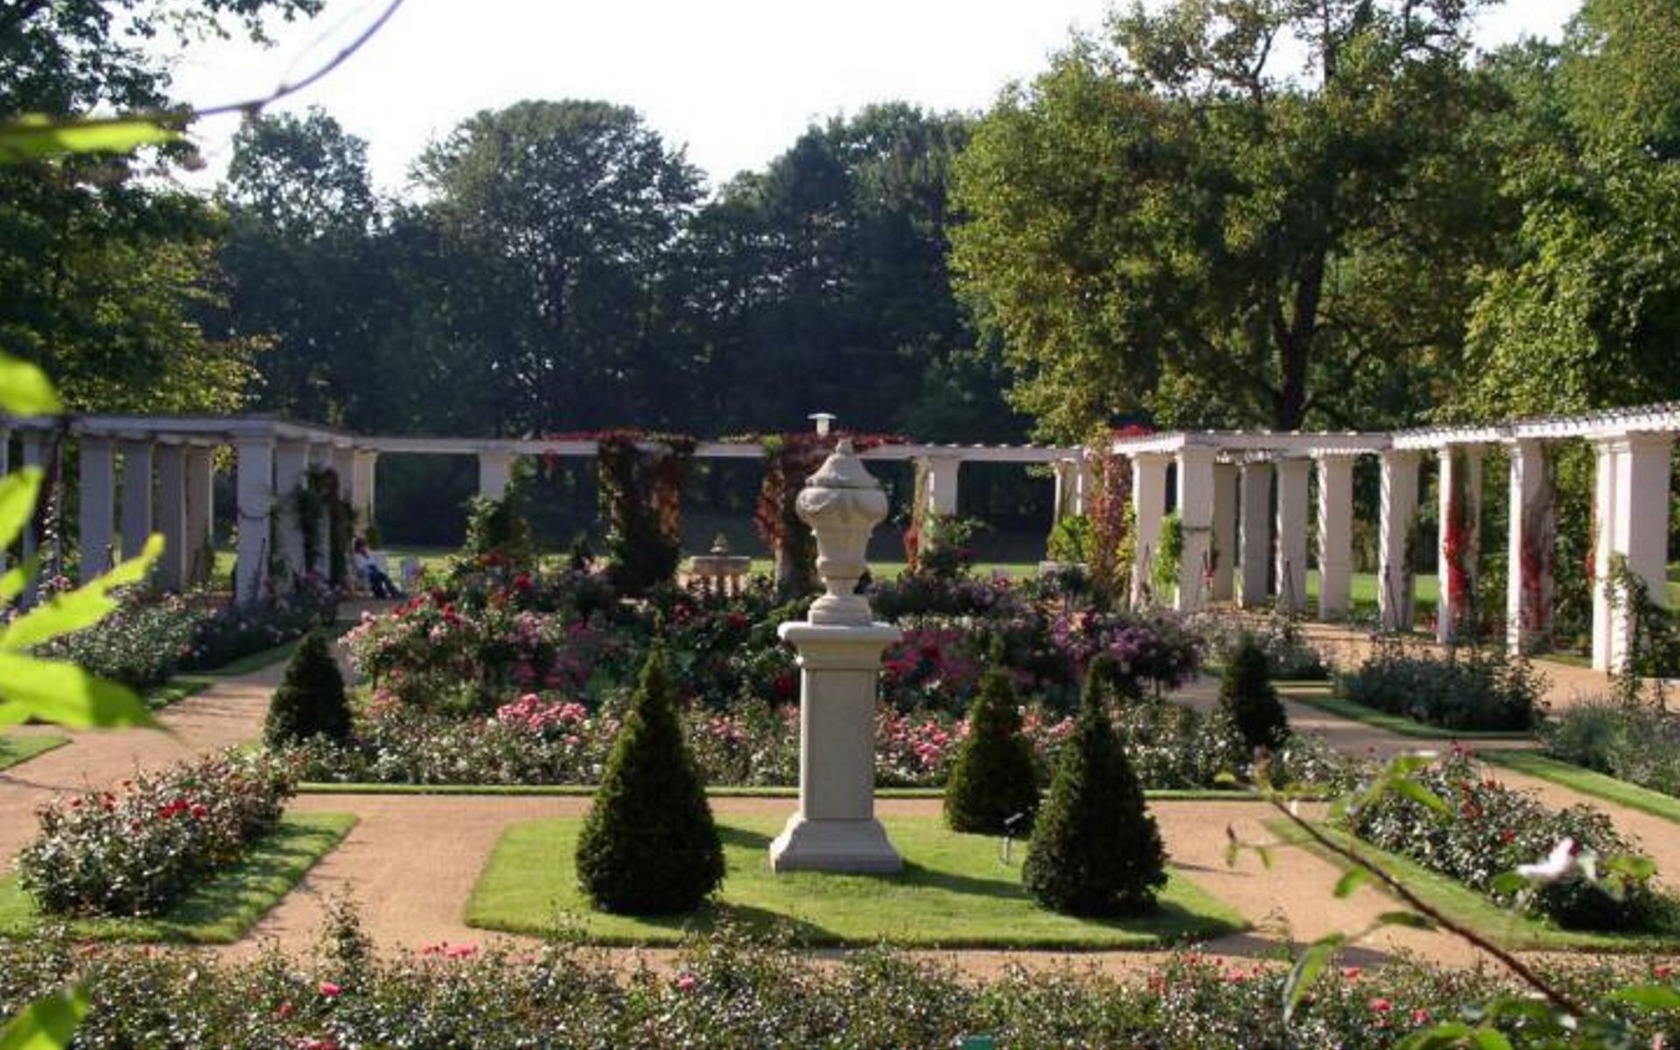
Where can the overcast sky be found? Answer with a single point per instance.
(735, 81)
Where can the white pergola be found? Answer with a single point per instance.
(1224, 499)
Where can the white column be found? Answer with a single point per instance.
(941, 493)
(255, 495)
(1460, 499)
(494, 471)
(1256, 529)
(1641, 526)
(1335, 535)
(1085, 486)
(1195, 516)
(96, 515)
(1605, 455)
(835, 828)
(1292, 534)
(1530, 549)
(291, 469)
(1225, 479)
(1398, 520)
(32, 452)
(362, 475)
(172, 516)
(1149, 504)
(1066, 473)
(200, 515)
(136, 496)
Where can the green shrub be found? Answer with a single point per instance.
(1247, 695)
(1095, 849)
(310, 701)
(1467, 689)
(1488, 829)
(649, 845)
(1638, 744)
(134, 849)
(994, 778)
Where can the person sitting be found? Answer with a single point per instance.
(368, 570)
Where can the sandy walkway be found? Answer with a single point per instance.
(411, 861)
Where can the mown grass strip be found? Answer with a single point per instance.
(1502, 926)
(219, 911)
(1586, 781)
(17, 748)
(955, 892)
(327, 787)
(1396, 724)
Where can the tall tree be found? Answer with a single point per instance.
(567, 212)
(308, 267)
(1163, 222)
(106, 276)
(1584, 311)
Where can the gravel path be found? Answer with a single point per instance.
(411, 861)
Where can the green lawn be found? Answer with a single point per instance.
(1468, 908)
(955, 892)
(16, 748)
(1316, 695)
(221, 910)
(1587, 782)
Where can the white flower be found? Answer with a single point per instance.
(1554, 868)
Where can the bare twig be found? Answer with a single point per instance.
(1552, 994)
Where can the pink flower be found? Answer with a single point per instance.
(460, 951)
(686, 982)
(331, 990)
(1351, 973)
(1381, 1005)
(1420, 1016)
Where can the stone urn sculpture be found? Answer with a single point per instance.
(840, 667)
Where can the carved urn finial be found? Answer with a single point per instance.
(842, 503)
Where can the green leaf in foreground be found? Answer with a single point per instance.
(17, 502)
(48, 1023)
(65, 695)
(1351, 880)
(1308, 967)
(1649, 996)
(82, 607)
(24, 389)
(36, 137)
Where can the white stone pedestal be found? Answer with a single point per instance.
(835, 828)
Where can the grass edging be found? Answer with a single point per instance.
(955, 892)
(1396, 724)
(18, 748)
(1467, 907)
(1586, 781)
(327, 787)
(219, 911)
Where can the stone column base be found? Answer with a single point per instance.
(855, 847)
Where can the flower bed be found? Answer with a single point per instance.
(723, 991)
(135, 849)
(1489, 830)
(1467, 689)
(1640, 745)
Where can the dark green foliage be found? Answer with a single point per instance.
(649, 846)
(994, 777)
(1095, 849)
(310, 701)
(1247, 694)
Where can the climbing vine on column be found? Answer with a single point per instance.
(642, 478)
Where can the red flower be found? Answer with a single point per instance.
(331, 990)
(1381, 1005)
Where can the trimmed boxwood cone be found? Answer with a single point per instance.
(1095, 849)
(649, 846)
(1247, 693)
(994, 778)
(310, 701)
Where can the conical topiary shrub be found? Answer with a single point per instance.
(649, 846)
(310, 701)
(994, 777)
(1247, 694)
(1095, 849)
